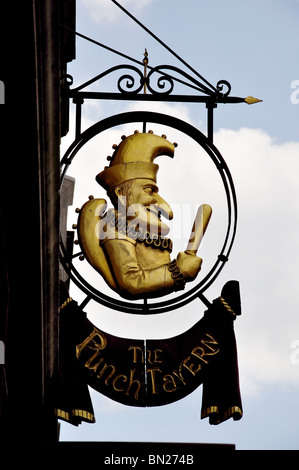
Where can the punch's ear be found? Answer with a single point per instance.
(89, 233)
(120, 197)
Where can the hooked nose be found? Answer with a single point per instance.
(163, 207)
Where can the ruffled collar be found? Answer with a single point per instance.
(120, 224)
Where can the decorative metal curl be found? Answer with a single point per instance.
(161, 83)
(66, 81)
(130, 86)
(220, 85)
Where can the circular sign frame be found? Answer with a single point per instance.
(231, 199)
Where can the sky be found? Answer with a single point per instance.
(253, 44)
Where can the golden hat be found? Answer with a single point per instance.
(133, 158)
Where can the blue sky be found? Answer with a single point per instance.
(254, 45)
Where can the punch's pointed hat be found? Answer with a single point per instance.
(133, 158)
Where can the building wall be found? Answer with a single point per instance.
(34, 56)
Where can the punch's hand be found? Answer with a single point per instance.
(189, 265)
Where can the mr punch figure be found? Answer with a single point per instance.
(128, 244)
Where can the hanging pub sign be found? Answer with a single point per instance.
(128, 244)
(125, 237)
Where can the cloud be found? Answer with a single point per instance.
(266, 254)
(103, 11)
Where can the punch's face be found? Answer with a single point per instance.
(145, 206)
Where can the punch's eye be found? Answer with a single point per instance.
(149, 190)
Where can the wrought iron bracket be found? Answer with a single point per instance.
(159, 84)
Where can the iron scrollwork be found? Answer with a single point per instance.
(167, 78)
(130, 85)
(159, 81)
(220, 86)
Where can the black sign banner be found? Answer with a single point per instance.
(152, 372)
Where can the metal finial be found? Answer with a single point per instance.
(145, 62)
(252, 100)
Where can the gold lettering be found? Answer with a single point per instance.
(179, 374)
(135, 349)
(153, 378)
(191, 366)
(199, 352)
(105, 367)
(120, 376)
(94, 345)
(169, 379)
(135, 381)
(156, 355)
(96, 365)
(149, 356)
(207, 344)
